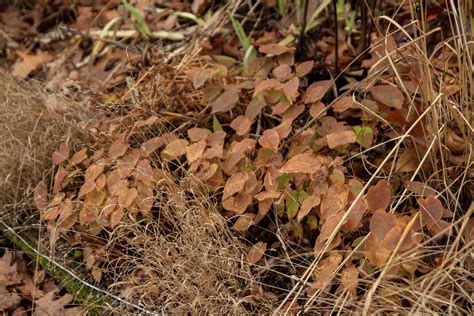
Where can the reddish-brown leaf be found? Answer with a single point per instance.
(266, 85)
(304, 163)
(241, 125)
(197, 134)
(343, 104)
(118, 148)
(256, 252)
(340, 138)
(327, 271)
(87, 187)
(388, 95)
(116, 217)
(145, 199)
(22, 68)
(227, 100)
(78, 157)
(270, 140)
(381, 223)
(316, 91)
(194, 151)
(354, 218)
(308, 204)
(88, 214)
(274, 49)
(243, 222)
(350, 278)
(378, 196)
(264, 195)
(61, 154)
(304, 68)
(40, 196)
(238, 203)
(151, 145)
(317, 110)
(431, 210)
(375, 251)
(420, 188)
(334, 201)
(234, 184)
(330, 225)
(282, 72)
(407, 161)
(290, 89)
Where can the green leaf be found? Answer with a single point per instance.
(250, 55)
(216, 125)
(298, 231)
(239, 30)
(312, 222)
(364, 135)
(302, 195)
(246, 167)
(282, 181)
(78, 253)
(281, 7)
(139, 20)
(292, 205)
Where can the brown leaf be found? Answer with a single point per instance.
(308, 204)
(227, 100)
(40, 196)
(378, 196)
(274, 49)
(241, 125)
(264, 195)
(78, 157)
(126, 197)
(304, 68)
(290, 89)
(327, 271)
(175, 149)
(375, 251)
(9, 270)
(145, 199)
(340, 138)
(237, 204)
(256, 252)
(118, 149)
(234, 184)
(199, 6)
(304, 163)
(343, 104)
(334, 201)
(95, 170)
(354, 219)
(381, 223)
(65, 210)
(194, 151)
(388, 95)
(243, 222)
(29, 63)
(197, 134)
(282, 72)
(88, 214)
(61, 154)
(420, 188)
(267, 85)
(270, 140)
(350, 278)
(316, 91)
(116, 217)
(151, 145)
(317, 110)
(47, 305)
(8, 299)
(126, 164)
(144, 172)
(431, 210)
(330, 225)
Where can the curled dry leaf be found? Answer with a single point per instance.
(340, 138)
(327, 271)
(256, 252)
(378, 196)
(241, 125)
(316, 91)
(270, 140)
(304, 163)
(40, 196)
(381, 223)
(61, 154)
(388, 95)
(22, 68)
(350, 278)
(227, 100)
(175, 149)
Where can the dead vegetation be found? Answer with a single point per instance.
(240, 175)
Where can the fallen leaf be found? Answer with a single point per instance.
(316, 91)
(364, 135)
(354, 219)
(78, 157)
(243, 222)
(256, 252)
(29, 63)
(118, 149)
(227, 100)
(8, 299)
(290, 89)
(175, 149)
(330, 225)
(234, 184)
(303, 163)
(270, 140)
(350, 278)
(61, 154)
(282, 72)
(241, 125)
(267, 85)
(47, 305)
(431, 210)
(275, 49)
(9, 270)
(304, 68)
(197, 134)
(407, 161)
(334, 201)
(378, 196)
(340, 138)
(194, 151)
(327, 271)
(308, 204)
(420, 188)
(40, 196)
(381, 223)
(342, 104)
(375, 251)
(388, 95)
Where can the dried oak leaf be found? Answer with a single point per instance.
(47, 305)
(256, 252)
(378, 196)
(227, 100)
(316, 91)
(8, 299)
(388, 95)
(8, 270)
(304, 163)
(340, 138)
(22, 68)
